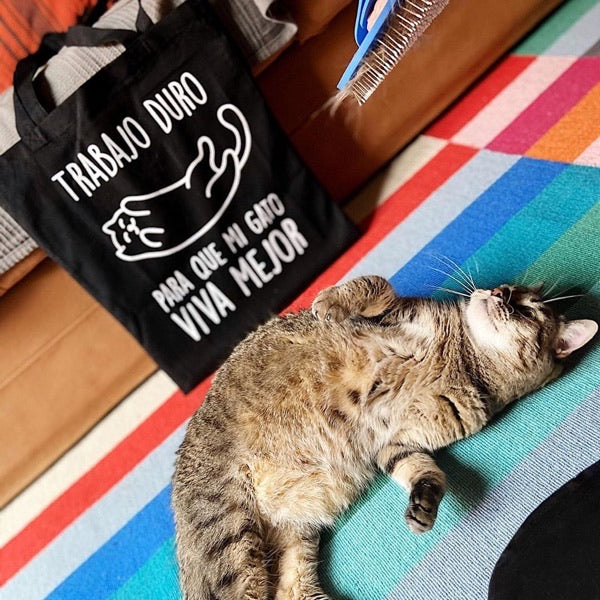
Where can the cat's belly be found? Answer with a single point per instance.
(308, 497)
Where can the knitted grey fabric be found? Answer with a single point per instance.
(257, 26)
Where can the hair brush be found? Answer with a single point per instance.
(384, 31)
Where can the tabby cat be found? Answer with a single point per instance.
(309, 406)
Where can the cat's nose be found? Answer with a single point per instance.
(499, 293)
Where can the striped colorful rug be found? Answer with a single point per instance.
(506, 184)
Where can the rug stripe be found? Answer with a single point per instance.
(512, 101)
(101, 575)
(81, 543)
(559, 143)
(554, 222)
(443, 206)
(582, 36)
(156, 580)
(495, 517)
(542, 38)
(98, 442)
(591, 156)
(452, 121)
(549, 107)
(572, 260)
(397, 173)
(478, 223)
(406, 199)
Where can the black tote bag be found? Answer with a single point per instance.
(166, 188)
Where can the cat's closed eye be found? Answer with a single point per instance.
(527, 312)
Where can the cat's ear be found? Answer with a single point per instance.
(572, 335)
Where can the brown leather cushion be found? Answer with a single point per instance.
(65, 362)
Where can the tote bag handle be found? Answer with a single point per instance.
(29, 110)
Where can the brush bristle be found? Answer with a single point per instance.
(408, 20)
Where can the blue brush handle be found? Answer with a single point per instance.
(364, 38)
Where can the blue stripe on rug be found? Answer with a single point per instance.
(523, 239)
(431, 217)
(477, 224)
(123, 555)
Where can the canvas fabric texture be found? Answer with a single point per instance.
(506, 184)
(258, 28)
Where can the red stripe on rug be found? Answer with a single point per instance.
(453, 120)
(549, 107)
(179, 407)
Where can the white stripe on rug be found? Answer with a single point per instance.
(590, 156)
(398, 172)
(580, 37)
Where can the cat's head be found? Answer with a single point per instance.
(514, 325)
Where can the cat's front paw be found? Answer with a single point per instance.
(325, 306)
(423, 506)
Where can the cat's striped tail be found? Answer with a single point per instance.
(219, 537)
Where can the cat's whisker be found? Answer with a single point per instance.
(465, 272)
(459, 281)
(554, 286)
(563, 298)
(468, 283)
(471, 279)
(450, 291)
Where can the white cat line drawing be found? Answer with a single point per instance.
(131, 229)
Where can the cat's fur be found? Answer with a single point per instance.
(308, 407)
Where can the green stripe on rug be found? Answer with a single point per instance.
(553, 27)
(555, 230)
(573, 259)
